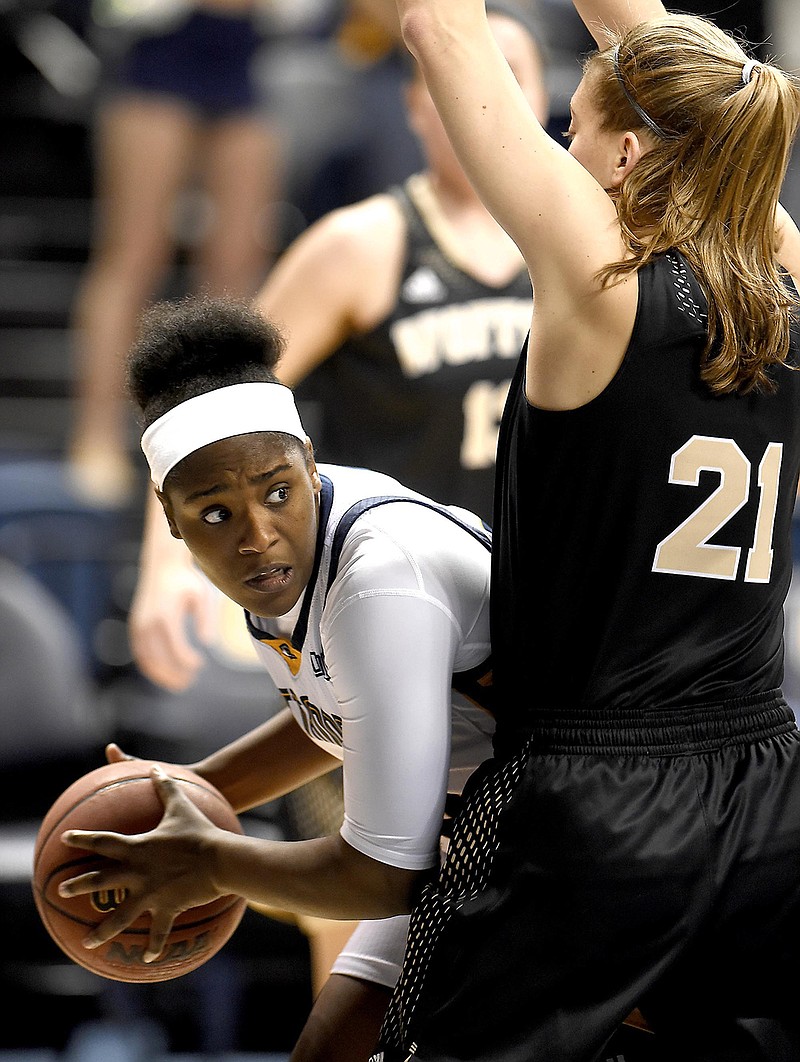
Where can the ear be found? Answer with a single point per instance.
(167, 507)
(630, 149)
(311, 464)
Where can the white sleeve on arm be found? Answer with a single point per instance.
(390, 655)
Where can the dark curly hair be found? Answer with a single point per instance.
(197, 344)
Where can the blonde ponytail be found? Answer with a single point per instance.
(721, 127)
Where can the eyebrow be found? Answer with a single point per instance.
(210, 492)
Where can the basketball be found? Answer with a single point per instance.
(122, 798)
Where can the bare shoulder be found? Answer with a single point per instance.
(575, 350)
(365, 247)
(350, 259)
(371, 228)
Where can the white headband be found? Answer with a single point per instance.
(220, 414)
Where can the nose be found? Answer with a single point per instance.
(257, 532)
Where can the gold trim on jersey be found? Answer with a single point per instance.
(292, 657)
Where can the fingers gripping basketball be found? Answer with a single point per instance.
(122, 798)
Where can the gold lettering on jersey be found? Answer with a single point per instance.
(460, 335)
(483, 409)
(688, 549)
(286, 651)
(316, 722)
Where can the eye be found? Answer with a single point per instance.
(215, 516)
(278, 495)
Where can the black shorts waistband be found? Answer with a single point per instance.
(670, 731)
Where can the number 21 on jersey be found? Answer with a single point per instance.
(687, 550)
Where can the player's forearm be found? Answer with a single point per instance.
(323, 877)
(159, 549)
(619, 15)
(265, 763)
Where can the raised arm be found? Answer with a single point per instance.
(543, 198)
(561, 217)
(618, 15)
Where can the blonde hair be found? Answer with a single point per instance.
(709, 185)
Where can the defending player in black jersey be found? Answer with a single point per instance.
(636, 840)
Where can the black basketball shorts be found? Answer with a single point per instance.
(613, 863)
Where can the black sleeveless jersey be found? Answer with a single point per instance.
(421, 396)
(642, 542)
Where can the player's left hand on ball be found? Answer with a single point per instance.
(114, 754)
(164, 872)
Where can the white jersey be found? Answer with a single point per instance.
(396, 613)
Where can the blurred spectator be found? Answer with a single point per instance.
(378, 148)
(183, 110)
(336, 76)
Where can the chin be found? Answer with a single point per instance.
(270, 607)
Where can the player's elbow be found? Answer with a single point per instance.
(417, 27)
(402, 887)
(383, 890)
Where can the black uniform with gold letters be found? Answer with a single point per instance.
(420, 397)
(636, 840)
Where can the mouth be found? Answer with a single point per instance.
(270, 580)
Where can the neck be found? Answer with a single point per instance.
(465, 229)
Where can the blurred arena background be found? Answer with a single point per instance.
(68, 566)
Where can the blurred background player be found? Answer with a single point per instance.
(182, 109)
